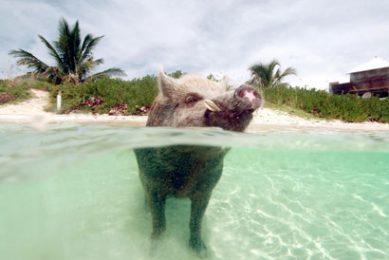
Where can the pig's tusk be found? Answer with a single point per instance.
(210, 105)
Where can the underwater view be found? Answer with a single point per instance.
(73, 192)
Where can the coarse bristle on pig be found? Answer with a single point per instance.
(194, 101)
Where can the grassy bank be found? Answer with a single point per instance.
(321, 104)
(112, 96)
(13, 91)
(102, 96)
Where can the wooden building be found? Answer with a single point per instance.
(371, 78)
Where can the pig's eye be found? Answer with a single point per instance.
(192, 98)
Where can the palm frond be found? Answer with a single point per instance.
(276, 78)
(109, 73)
(85, 43)
(88, 45)
(28, 59)
(99, 61)
(262, 74)
(272, 65)
(64, 34)
(85, 67)
(269, 75)
(52, 52)
(76, 40)
(63, 46)
(288, 71)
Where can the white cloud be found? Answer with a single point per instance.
(321, 39)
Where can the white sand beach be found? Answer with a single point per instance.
(32, 112)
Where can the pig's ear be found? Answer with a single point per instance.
(167, 85)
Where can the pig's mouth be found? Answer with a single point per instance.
(229, 119)
(233, 113)
(212, 106)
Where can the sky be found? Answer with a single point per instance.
(321, 39)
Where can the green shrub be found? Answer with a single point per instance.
(19, 91)
(135, 93)
(348, 108)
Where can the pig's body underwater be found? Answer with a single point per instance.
(188, 170)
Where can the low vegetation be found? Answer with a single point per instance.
(112, 96)
(11, 91)
(116, 96)
(321, 104)
(102, 96)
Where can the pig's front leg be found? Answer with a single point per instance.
(157, 208)
(198, 207)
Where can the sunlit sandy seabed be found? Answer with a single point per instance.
(73, 193)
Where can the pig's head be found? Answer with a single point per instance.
(193, 101)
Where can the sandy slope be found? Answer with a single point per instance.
(269, 118)
(33, 106)
(32, 111)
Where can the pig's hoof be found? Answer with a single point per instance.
(198, 246)
(155, 240)
(153, 247)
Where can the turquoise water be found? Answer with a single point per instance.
(72, 192)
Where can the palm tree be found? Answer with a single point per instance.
(269, 75)
(73, 57)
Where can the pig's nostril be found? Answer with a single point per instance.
(247, 92)
(256, 93)
(241, 93)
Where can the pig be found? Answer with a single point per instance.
(190, 171)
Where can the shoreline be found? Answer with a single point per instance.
(31, 112)
(41, 123)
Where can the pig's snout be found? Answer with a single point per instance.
(248, 97)
(234, 110)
